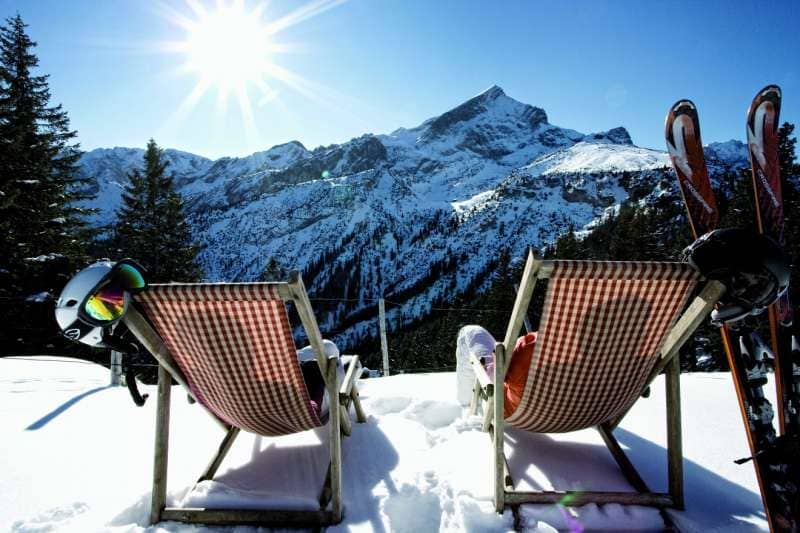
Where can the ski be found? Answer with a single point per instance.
(745, 352)
(763, 119)
(686, 153)
(762, 141)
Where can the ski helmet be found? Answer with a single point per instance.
(753, 268)
(96, 298)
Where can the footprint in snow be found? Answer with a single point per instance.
(412, 511)
(388, 405)
(435, 415)
(50, 520)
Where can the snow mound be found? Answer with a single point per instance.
(600, 157)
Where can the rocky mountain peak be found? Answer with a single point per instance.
(617, 135)
(492, 93)
(490, 102)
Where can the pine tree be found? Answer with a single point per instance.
(44, 231)
(151, 224)
(273, 271)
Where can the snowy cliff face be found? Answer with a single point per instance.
(419, 215)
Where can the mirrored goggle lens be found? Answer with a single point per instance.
(128, 277)
(107, 304)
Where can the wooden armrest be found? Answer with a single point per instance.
(352, 375)
(480, 372)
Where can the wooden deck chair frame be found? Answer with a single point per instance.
(340, 399)
(493, 403)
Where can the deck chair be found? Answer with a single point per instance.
(607, 330)
(231, 346)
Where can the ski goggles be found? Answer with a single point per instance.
(108, 301)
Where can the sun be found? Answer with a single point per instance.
(232, 49)
(229, 47)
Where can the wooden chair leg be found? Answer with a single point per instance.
(224, 447)
(335, 443)
(325, 493)
(344, 420)
(476, 398)
(499, 429)
(361, 416)
(622, 460)
(674, 436)
(159, 495)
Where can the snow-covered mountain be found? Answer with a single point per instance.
(419, 215)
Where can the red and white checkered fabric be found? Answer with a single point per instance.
(602, 327)
(234, 344)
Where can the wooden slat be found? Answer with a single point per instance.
(361, 417)
(476, 398)
(250, 517)
(224, 447)
(694, 315)
(488, 413)
(499, 428)
(161, 454)
(334, 422)
(578, 498)
(624, 463)
(303, 306)
(526, 321)
(674, 432)
(545, 270)
(344, 420)
(521, 302)
(325, 493)
(350, 377)
(480, 374)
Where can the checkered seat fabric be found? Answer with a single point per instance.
(234, 344)
(602, 328)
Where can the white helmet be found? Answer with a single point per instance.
(96, 298)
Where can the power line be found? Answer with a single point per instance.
(41, 359)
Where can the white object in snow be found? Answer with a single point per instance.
(471, 339)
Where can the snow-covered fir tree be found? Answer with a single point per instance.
(44, 232)
(151, 227)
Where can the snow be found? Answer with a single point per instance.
(52, 256)
(39, 297)
(76, 455)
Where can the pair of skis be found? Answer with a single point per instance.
(776, 458)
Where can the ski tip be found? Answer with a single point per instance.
(681, 107)
(769, 90)
(683, 104)
(772, 94)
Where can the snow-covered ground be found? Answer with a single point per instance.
(76, 455)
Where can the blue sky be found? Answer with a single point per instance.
(375, 65)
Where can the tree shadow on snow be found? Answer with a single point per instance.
(63, 407)
(582, 466)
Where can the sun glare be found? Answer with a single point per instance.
(228, 48)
